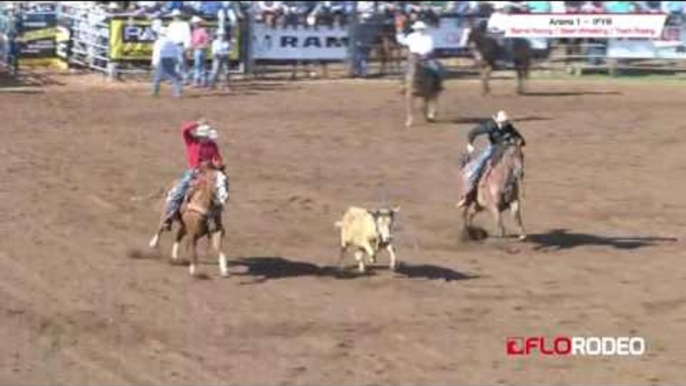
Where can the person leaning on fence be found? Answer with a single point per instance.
(221, 48)
(179, 31)
(164, 61)
(199, 42)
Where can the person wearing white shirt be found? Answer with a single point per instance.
(165, 55)
(421, 45)
(179, 31)
(221, 49)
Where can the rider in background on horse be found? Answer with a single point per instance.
(201, 148)
(421, 45)
(501, 133)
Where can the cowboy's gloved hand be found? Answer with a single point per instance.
(470, 148)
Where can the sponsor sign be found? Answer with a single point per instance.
(646, 26)
(133, 39)
(300, 43)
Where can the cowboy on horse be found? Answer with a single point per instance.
(501, 133)
(201, 149)
(421, 45)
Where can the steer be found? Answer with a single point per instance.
(368, 231)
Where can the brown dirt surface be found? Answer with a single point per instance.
(83, 302)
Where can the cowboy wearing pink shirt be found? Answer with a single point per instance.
(199, 42)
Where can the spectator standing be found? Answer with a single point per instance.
(673, 7)
(171, 6)
(539, 6)
(592, 7)
(558, 7)
(179, 31)
(269, 11)
(164, 62)
(200, 40)
(221, 48)
(619, 7)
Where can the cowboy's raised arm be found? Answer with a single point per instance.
(188, 130)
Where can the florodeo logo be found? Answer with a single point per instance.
(566, 346)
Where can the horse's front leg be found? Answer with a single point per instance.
(430, 109)
(192, 267)
(155, 240)
(498, 218)
(516, 208)
(217, 239)
(409, 106)
(485, 76)
(180, 234)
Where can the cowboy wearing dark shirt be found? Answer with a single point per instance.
(500, 132)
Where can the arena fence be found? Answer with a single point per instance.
(77, 34)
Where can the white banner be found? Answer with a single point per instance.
(299, 43)
(646, 49)
(647, 26)
(451, 34)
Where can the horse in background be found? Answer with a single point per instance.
(489, 49)
(420, 83)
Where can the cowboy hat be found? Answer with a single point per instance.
(206, 131)
(419, 25)
(501, 117)
(176, 13)
(196, 20)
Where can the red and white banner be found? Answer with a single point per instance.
(646, 26)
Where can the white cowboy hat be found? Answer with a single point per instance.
(419, 25)
(176, 13)
(196, 20)
(206, 131)
(501, 117)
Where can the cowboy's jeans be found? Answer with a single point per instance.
(472, 171)
(166, 69)
(182, 68)
(199, 67)
(220, 63)
(177, 194)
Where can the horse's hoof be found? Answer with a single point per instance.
(154, 242)
(522, 238)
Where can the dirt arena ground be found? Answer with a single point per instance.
(82, 161)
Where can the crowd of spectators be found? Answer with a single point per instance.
(312, 13)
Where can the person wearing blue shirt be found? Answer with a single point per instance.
(538, 6)
(618, 6)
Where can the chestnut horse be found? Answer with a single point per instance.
(200, 216)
